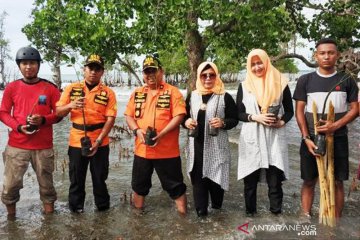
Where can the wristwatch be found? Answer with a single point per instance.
(99, 141)
(305, 137)
(135, 131)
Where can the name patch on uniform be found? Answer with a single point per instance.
(102, 98)
(75, 93)
(140, 98)
(163, 101)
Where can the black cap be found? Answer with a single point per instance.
(95, 59)
(151, 61)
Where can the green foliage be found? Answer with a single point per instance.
(174, 62)
(226, 60)
(340, 20)
(286, 66)
(258, 25)
(85, 26)
(222, 30)
(337, 19)
(111, 27)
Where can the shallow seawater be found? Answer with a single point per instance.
(159, 220)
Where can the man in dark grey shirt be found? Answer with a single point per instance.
(314, 87)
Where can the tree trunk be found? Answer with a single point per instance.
(129, 79)
(56, 71)
(2, 71)
(195, 48)
(128, 66)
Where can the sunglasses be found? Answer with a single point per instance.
(95, 68)
(149, 71)
(204, 76)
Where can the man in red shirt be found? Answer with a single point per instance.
(28, 108)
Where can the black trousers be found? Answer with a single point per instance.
(202, 187)
(99, 169)
(201, 191)
(168, 171)
(274, 178)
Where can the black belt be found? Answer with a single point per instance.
(89, 128)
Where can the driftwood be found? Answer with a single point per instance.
(349, 60)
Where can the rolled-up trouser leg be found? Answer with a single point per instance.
(16, 162)
(43, 165)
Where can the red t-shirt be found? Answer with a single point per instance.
(19, 100)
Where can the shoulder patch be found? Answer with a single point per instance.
(182, 102)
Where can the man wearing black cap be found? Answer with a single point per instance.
(28, 108)
(154, 113)
(92, 108)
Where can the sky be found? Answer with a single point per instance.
(19, 15)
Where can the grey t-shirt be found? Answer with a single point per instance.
(312, 87)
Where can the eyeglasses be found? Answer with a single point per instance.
(95, 68)
(149, 71)
(204, 76)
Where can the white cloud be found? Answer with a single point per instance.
(18, 16)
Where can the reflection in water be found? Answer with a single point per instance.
(160, 220)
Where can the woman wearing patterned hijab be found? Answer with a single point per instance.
(264, 106)
(208, 155)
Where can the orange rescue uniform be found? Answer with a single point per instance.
(100, 103)
(166, 104)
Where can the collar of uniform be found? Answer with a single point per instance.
(326, 76)
(98, 87)
(161, 87)
(82, 83)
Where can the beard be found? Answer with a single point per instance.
(30, 77)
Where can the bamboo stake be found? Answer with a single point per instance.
(330, 168)
(324, 192)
